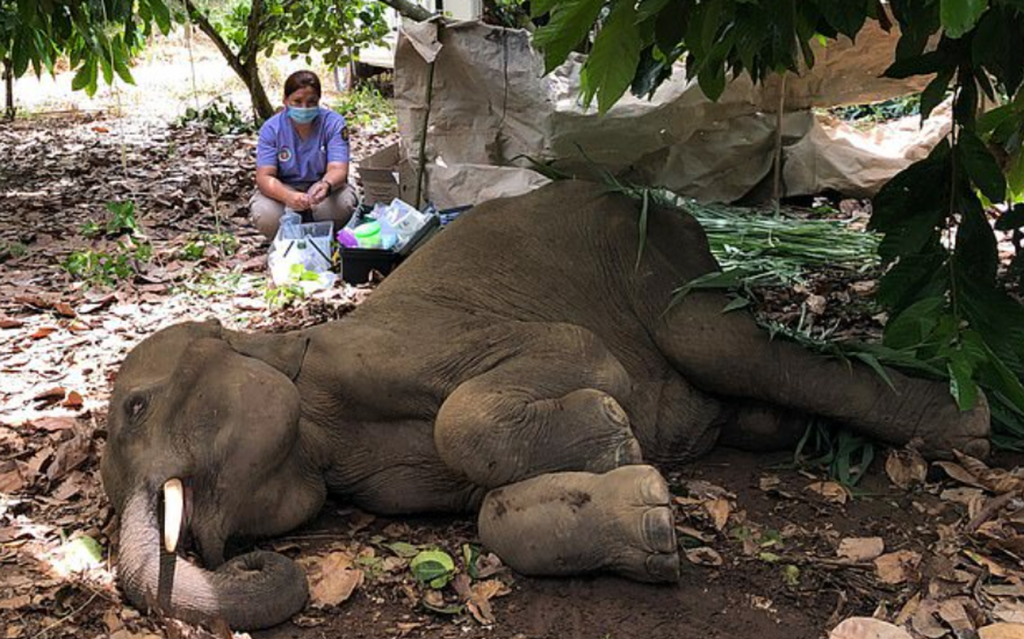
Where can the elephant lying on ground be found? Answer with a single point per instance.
(520, 366)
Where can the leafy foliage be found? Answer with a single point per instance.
(106, 268)
(365, 107)
(219, 117)
(334, 28)
(98, 37)
(949, 314)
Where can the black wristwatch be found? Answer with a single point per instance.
(330, 187)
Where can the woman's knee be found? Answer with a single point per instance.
(265, 214)
(338, 207)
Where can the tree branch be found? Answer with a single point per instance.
(211, 32)
(253, 28)
(409, 9)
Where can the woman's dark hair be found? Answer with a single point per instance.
(300, 80)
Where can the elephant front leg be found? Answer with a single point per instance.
(729, 355)
(573, 523)
(547, 410)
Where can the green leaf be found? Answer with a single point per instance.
(961, 382)
(981, 166)
(78, 555)
(433, 567)
(85, 76)
(959, 16)
(736, 304)
(570, 23)
(935, 92)
(911, 327)
(847, 16)
(876, 366)
(403, 549)
(612, 63)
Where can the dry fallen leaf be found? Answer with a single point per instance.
(719, 510)
(9, 322)
(43, 331)
(74, 401)
(1009, 611)
(704, 556)
(953, 613)
(831, 491)
(925, 621)
(897, 567)
(906, 468)
(861, 548)
(868, 628)
(960, 474)
(334, 579)
(53, 424)
(1002, 631)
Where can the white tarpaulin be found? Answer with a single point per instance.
(492, 107)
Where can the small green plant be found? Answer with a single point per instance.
(195, 249)
(122, 218)
(90, 229)
(365, 107)
(105, 268)
(292, 290)
(10, 250)
(219, 117)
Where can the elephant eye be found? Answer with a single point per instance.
(135, 406)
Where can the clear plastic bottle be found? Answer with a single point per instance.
(290, 217)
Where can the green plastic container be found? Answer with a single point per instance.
(368, 235)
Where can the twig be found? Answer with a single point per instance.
(66, 617)
(990, 510)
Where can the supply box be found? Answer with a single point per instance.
(380, 176)
(357, 263)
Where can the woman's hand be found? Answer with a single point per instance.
(318, 192)
(297, 201)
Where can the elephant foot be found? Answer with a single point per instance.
(572, 523)
(613, 442)
(952, 429)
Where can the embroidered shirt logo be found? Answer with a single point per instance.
(285, 155)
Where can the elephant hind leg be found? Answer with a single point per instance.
(573, 523)
(757, 427)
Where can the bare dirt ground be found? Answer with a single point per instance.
(772, 550)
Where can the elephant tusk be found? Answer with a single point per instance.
(174, 507)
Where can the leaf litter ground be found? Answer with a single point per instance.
(771, 550)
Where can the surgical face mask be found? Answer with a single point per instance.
(303, 115)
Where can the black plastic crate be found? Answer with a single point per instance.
(357, 263)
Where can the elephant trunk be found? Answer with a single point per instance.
(252, 591)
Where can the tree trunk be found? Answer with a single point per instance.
(253, 591)
(9, 84)
(409, 9)
(243, 64)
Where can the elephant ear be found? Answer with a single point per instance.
(284, 352)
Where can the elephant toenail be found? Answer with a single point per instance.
(614, 412)
(659, 530)
(663, 568)
(629, 453)
(654, 490)
(978, 448)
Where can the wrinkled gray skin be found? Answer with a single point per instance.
(518, 366)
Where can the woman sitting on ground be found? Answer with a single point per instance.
(302, 161)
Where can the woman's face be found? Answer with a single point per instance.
(303, 98)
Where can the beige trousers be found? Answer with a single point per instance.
(265, 213)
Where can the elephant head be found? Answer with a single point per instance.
(204, 444)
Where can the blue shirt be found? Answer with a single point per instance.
(302, 161)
